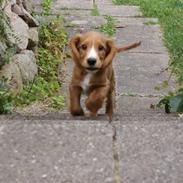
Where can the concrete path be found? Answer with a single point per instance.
(142, 145)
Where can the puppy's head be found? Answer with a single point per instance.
(93, 51)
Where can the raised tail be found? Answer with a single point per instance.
(128, 47)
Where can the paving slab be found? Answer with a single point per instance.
(136, 105)
(95, 21)
(72, 4)
(104, 2)
(37, 6)
(138, 73)
(69, 5)
(103, 11)
(85, 20)
(55, 151)
(140, 21)
(71, 12)
(151, 153)
(78, 4)
(150, 35)
(138, 109)
(122, 11)
(74, 7)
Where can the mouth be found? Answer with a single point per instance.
(91, 68)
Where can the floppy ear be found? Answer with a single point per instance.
(74, 43)
(110, 52)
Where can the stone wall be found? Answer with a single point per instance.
(23, 35)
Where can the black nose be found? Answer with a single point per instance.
(91, 61)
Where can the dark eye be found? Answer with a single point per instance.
(100, 48)
(84, 46)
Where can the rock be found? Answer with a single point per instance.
(14, 80)
(33, 38)
(19, 2)
(26, 62)
(4, 3)
(19, 35)
(17, 9)
(3, 48)
(25, 15)
(28, 5)
(29, 19)
(33, 34)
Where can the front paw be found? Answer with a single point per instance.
(91, 114)
(77, 112)
(92, 107)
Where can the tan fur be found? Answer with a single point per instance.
(101, 84)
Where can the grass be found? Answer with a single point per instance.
(170, 14)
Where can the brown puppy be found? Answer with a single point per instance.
(93, 73)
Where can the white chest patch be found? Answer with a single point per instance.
(86, 81)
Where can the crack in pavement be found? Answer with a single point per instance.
(139, 95)
(116, 168)
(148, 52)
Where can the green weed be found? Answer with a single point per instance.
(109, 28)
(6, 99)
(173, 102)
(95, 11)
(150, 23)
(46, 86)
(57, 102)
(46, 4)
